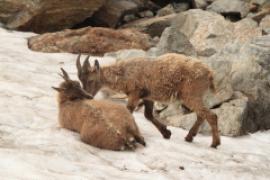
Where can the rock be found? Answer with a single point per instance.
(113, 11)
(265, 24)
(146, 14)
(174, 41)
(126, 54)
(129, 18)
(95, 41)
(251, 75)
(208, 32)
(241, 76)
(152, 26)
(224, 91)
(181, 6)
(201, 4)
(236, 7)
(167, 10)
(46, 15)
(245, 30)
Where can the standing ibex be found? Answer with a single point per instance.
(100, 123)
(166, 78)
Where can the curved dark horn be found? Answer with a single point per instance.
(78, 64)
(97, 64)
(87, 58)
(86, 64)
(65, 75)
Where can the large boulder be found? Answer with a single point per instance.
(208, 32)
(236, 7)
(46, 15)
(248, 75)
(95, 41)
(174, 41)
(201, 4)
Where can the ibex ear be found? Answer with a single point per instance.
(65, 75)
(97, 67)
(86, 65)
(79, 66)
(58, 89)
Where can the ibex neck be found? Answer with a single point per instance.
(110, 76)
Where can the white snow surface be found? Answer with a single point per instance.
(33, 146)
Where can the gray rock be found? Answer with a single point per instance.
(180, 7)
(265, 24)
(207, 32)
(46, 15)
(245, 30)
(224, 91)
(146, 14)
(251, 75)
(226, 7)
(201, 4)
(167, 10)
(174, 41)
(126, 54)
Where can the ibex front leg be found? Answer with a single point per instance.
(133, 100)
(148, 113)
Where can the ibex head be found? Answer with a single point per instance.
(89, 76)
(71, 90)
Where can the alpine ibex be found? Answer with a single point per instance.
(168, 77)
(103, 124)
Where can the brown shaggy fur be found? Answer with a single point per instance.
(167, 78)
(100, 123)
(85, 40)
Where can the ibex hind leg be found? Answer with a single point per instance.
(194, 130)
(203, 113)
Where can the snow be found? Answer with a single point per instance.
(33, 146)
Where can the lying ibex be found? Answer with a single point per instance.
(100, 123)
(168, 77)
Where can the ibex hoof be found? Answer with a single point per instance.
(215, 145)
(166, 133)
(189, 138)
